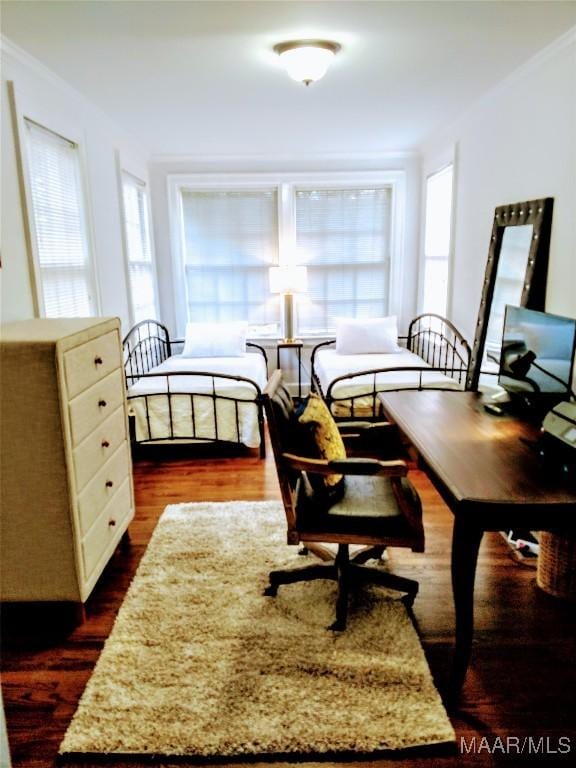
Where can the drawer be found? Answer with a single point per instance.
(91, 362)
(103, 486)
(98, 447)
(106, 531)
(90, 409)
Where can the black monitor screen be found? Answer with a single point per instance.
(537, 353)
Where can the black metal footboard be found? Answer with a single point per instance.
(433, 338)
(440, 344)
(202, 412)
(175, 412)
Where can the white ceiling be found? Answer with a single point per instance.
(201, 77)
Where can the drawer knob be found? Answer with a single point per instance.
(102, 403)
(111, 523)
(98, 361)
(105, 444)
(109, 483)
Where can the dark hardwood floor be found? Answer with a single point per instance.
(519, 694)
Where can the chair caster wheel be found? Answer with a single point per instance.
(270, 591)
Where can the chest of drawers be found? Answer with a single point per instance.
(66, 477)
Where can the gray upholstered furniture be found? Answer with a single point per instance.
(66, 484)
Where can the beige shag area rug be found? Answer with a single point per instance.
(201, 664)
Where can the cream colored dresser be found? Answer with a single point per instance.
(66, 482)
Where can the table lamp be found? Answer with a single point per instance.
(288, 280)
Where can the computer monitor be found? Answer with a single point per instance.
(537, 358)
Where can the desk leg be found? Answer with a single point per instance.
(466, 540)
(299, 374)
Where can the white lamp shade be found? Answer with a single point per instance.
(288, 279)
(306, 64)
(306, 60)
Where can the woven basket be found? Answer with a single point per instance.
(556, 572)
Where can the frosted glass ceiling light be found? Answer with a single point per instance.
(306, 60)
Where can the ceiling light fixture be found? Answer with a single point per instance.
(306, 60)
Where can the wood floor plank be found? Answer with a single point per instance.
(522, 678)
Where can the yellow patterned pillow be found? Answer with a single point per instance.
(328, 438)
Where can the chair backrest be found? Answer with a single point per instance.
(287, 437)
(279, 409)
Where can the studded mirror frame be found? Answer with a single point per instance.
(538, 213)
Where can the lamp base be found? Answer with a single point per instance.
(288, 317)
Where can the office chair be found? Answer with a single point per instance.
(344, 501)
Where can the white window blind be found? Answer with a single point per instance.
(230, 241)
(344, 238)
(141, 272)
(65, 274)
(437, 241)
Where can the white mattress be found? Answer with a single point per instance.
(329, 365)
(196, 415)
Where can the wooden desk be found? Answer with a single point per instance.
(490, 478)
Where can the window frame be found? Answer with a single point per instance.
(286, 184)
(67, 131)
(394, 273)
(437, 169)
(202, 182)
(122, 172)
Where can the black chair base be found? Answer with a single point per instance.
(347, 573)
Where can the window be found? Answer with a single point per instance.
(344, 237)
(64, 268)
(437, 237)
(230, 240)
(228, 230)
(141, 272)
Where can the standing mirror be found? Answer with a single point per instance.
(515, 274)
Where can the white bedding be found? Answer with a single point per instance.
(195, 415)
(329, 365)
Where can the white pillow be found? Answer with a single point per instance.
(367, 336)
(215, 339)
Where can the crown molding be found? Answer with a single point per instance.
(530, 65)
(537, 60)
(520, 73)
(292, 158)
(38, 68)
(23, 57)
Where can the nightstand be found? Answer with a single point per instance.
(292, 344)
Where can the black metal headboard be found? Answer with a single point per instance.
(146, 345)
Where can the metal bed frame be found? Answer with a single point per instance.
(147, 345)
(433, 338)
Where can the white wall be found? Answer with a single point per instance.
(50, 101)
(45, 98)
(517, 143)
(160, 168)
